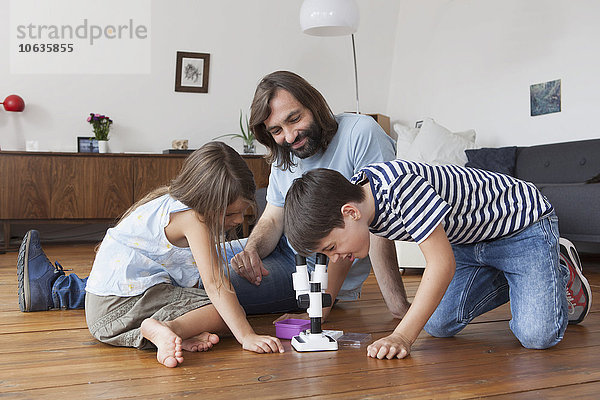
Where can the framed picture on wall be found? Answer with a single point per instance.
(545, 97)
(87, 145)
(191, 72)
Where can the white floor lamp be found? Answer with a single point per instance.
(331, 18)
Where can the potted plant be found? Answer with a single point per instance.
(101, 127)
(246, 135)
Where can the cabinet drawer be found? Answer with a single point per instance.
(25, 186)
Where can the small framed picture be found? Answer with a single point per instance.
(87, 145)
(191, 72)
(545, 98)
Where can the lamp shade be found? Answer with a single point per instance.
(14, 103)
(329, 17)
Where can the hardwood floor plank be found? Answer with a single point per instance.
(581, 391)
(52, 355)
(18, 322)
(108, 361)
(402, 378)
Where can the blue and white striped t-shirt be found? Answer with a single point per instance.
(412, 199)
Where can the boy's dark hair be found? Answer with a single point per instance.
(313, 207)
(306, 95)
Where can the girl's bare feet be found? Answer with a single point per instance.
(168, 343)
(201, 342)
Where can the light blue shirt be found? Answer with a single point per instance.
(136, 254)
(359, 141)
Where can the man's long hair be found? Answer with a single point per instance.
(307, 95)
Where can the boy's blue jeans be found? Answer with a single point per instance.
(522, 268)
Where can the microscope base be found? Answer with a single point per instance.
(313, 342)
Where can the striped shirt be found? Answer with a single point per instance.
(473, 205)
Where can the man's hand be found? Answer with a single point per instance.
(249, 265)
(261, 242)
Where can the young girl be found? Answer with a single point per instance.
(143, 288)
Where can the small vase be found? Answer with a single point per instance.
(249, 148)
(102, 146)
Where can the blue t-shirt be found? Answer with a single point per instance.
(412, 199)
(359, 141)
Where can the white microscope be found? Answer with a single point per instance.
(311, 295)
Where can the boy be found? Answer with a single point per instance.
(487, 238)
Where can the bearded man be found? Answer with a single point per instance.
(293, 120)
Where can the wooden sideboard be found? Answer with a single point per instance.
(85, 187)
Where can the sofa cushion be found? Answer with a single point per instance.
(436, 145)
(569, 162)
(577, 208)
(501, 159)
(406, 135)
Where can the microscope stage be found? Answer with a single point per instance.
(313, 342)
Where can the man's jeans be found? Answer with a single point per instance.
(522, 268)
(68, 291)
(275, 294)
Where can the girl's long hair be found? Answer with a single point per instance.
(212, 178)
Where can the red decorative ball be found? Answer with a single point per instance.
(14, 103)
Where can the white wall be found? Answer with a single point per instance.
(466, 63)
(246, 40)
(469, 64)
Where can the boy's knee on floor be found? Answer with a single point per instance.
(442, 329)
(536, 343)
(538, 339)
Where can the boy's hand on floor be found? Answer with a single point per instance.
(249, 265)
(262, 344)
(392, 346)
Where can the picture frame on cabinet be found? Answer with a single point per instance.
(191, 72)
(87, 145)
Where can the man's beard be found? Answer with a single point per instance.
(312, 145)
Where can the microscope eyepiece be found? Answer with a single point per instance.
(300, 260)
(321, 258)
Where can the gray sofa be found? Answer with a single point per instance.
(566, 173)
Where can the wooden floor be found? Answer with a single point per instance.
(52, 355)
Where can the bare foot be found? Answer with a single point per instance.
(168, 343)
(201, 342)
